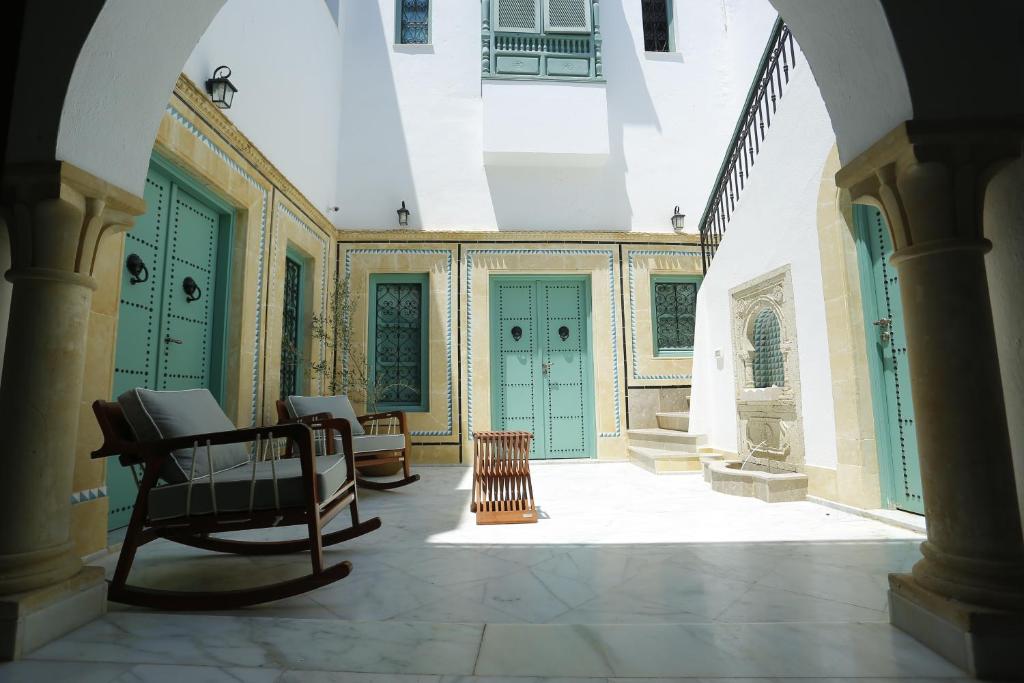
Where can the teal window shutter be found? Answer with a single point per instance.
(673, 313)
(768, 364)
(291, 333)
(413, 19)
(567, 16)
(517, 16)
(399, 327)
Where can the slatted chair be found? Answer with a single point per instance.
(377, 439)
(201, 476)
(502, 487)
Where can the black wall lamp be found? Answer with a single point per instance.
(221, 90)
(677, 221)
(403, 215)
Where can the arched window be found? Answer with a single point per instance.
(768, 370)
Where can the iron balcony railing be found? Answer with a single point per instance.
(754, 120)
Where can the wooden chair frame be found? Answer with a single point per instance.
(195, 530)
(371, 458)
(502, 486)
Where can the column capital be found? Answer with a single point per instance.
(57, 214)
(929, 179)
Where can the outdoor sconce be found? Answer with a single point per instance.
(403, 215)
(677, 221)
(221, 90)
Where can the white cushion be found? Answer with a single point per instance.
(378, 442)
(337, 406)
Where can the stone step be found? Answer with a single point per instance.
(679, 422)
(666, 439)
(660, 461)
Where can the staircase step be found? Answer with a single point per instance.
(666, 439)
(679, 422)
(661, 461)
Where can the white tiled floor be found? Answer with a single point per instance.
(627, 575)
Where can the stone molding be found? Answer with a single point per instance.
(519, 236)
(57, 214)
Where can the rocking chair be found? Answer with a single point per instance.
(199, 478)
(377, 439)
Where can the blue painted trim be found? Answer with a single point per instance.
(178, 118)
(632, 309)
(613, 326)
(451, 327)
(85, 495)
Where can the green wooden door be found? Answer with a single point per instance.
(542, 378)
(167, 337)
(887, 355)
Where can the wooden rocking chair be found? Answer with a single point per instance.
(377, 439)
(256, 492)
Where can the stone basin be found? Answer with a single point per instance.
(755, 481)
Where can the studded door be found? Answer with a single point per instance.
(887, 341)
(542, 380)
(165, 330)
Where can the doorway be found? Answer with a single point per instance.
(541, 362)
(895, 429)
(172, 315)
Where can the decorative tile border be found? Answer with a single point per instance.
(537, 252)
(632, 310)
(320, 237)
(180, 119)
(85, 495)
(451, 327)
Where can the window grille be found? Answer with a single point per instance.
(290, 351)
(768, 365)
(398, 347)
(656, 25)
(675, 305)
(414, 22)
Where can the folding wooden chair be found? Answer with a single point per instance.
(502, 488)
(377, 439)
(197, 484)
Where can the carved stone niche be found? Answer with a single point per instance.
(767, 376)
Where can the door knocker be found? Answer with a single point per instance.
(192, 291)
(517, 333)
(136, 265)
(563, 332)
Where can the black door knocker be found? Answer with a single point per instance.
(192, 291)
(136, 265)
(517, 333)
(563, 332)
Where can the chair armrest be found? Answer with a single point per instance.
(329, 424)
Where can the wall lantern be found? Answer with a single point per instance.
(221, 90)
(677, 221)
(403, 215)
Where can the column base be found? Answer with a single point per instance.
(31, 619)
(983, 641)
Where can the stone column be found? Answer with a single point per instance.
(965, 597)
(56, 215)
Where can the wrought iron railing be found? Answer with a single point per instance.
(755, 119)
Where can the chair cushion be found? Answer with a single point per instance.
(337, 406)
(155, 415)
(369, 443)
(233, 488)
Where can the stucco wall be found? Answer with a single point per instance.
(774, 224)
(413, 123)
(285, 59)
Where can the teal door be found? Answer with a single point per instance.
(541, 372)
(896, 432)
(170, 320)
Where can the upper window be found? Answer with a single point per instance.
(413, 22)
(398, 341)
(657, 25)
(768, 363)
(673, 311)
(557, 39)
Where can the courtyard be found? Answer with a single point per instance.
(626, 575)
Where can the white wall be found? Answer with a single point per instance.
(775, 224)
(412, 123)
(285, 59)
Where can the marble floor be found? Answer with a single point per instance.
(627, 575)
